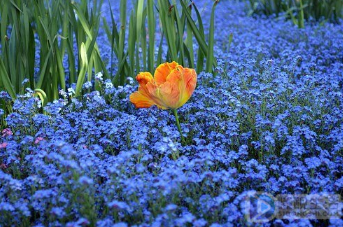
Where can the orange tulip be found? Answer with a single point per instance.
(171, 86)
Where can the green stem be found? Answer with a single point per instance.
(178, 126)
(301, 16)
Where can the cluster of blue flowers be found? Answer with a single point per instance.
(269, 120)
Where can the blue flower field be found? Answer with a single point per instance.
(268, 122)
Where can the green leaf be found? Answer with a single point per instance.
(71, 61)
(139, 16)
(60, 68)
(84, 65)
(151, 28)
(144, 43)
(189, 50)
(5, 80)
(210, 54)
(31, 57)
(83, 20)
(168, 27)
(13, 50)
(42, 95)
(43, 71)
(132, 42)
(159, 54)
(199, 37)
(180, 24)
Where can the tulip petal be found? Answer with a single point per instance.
(171, 90)
(140, 100)
(143, 79)
(162, 72)
(190, 78)
(188, 85)
(154, 94)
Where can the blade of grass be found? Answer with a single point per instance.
(121, 45)
(151, 28)
(32, 58)
(168, 27)
(198, 33)
(117, 80)
(180, 31)
(82, 20)
(144, 41)
(43, 70)
(188, 55)
(301, 15)
(198, 36)
(210, 54)
(4, 21)
(159, 54)
(201, 55)
(139, 16)
(71, 61)
(13, 47)
(60, 69)
(132, 42)
(84, 65)
(42, 95)
(5, 80)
